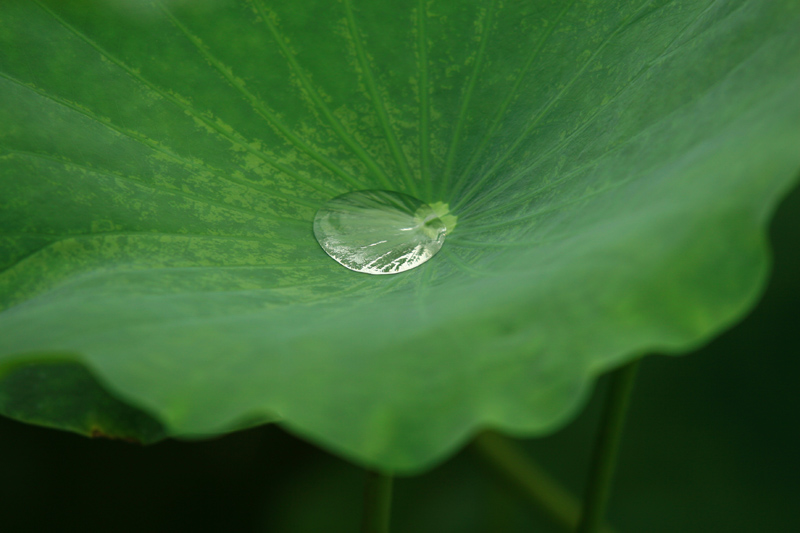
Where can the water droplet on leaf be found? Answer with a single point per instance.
(381, 232)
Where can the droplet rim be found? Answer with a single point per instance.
(402, 203)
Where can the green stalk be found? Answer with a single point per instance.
(377, 503)
(524, 474)
(606, 449)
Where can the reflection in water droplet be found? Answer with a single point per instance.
(381, 232)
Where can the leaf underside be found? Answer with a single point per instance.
(612, 165)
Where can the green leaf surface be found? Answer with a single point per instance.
(66, 396)
(612, 166)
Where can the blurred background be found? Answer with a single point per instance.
(712, 444)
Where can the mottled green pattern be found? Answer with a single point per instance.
(612, 165)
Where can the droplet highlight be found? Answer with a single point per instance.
(381, 232)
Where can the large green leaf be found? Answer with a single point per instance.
(612, 164)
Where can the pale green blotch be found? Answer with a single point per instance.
(442, 210)
(381, 232)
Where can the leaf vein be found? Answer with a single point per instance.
(424, 96)
(258, 106)
(589, 120)
(377, 101)
(139, 181)
(335, 124)
(180, 102)
(153, 145)
(541, 114)
(468, 214)
(492, 129)
(473, 79)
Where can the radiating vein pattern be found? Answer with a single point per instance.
(318, 101)
(191, 194)
(511, 112)
(223, 130)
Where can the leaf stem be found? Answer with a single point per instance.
(606, 449)
(377, 503)
(526, 475)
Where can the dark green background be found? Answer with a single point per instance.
(711, 445)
